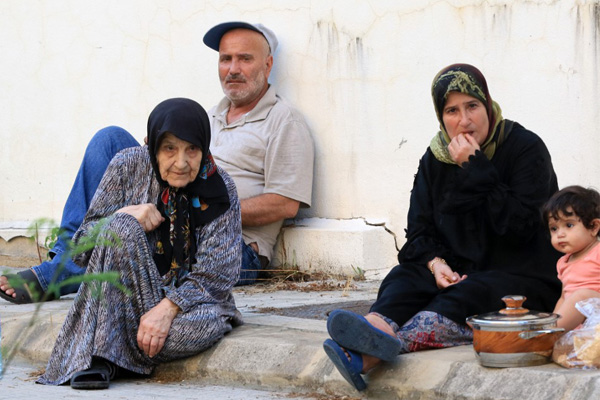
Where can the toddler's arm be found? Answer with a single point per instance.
(571, 318)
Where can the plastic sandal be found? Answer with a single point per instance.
(350, 369)
(23, 295)
(354, 332)
(98, 376)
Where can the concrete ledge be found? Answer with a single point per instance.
(350, 247)
(285, 354)
(337, 247)
(291, 361)
(14, 229)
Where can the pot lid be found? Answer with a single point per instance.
(513, 315)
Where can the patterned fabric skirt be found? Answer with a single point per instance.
(424, 316)
(103, 321)
(429, 330)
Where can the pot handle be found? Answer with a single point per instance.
(534, 334)
(514, 305)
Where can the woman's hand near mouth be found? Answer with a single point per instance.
(461, 147)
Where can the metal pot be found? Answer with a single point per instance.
(514, 336)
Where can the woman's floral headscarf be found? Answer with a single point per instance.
(467, 79)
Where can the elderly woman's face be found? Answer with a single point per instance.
(464, 114)
(178, 160)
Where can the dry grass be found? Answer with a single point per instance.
(291, 279)
(34, 375)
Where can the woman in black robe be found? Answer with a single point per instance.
(474, 234)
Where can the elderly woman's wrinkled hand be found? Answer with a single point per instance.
(154, 327)
(461, 147)
(445, 276)
(147, 215)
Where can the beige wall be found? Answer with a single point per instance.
(359, 70)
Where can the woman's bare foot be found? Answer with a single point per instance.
(370, 362)
(380, 324)
(350, 329)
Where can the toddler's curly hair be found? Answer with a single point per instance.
(583, 203)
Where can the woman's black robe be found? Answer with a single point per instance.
(484, 220)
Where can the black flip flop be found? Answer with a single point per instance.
(98, 376)
(29, 279)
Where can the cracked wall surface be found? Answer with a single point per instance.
(359, 70)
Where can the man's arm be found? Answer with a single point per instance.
(267, 208)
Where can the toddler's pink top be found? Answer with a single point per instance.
(581, 274)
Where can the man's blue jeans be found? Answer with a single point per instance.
(250, 266)
(101, 149)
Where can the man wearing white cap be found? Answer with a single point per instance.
(261, 141)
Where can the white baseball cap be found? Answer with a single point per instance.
(212, 38)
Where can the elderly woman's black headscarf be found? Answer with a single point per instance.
(194, 205)
(467, 79)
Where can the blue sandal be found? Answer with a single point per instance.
(353, 332)
(350, 369)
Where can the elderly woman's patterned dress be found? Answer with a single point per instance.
(106, 326)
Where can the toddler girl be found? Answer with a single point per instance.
(573, 217)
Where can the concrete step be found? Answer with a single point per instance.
(280, 353)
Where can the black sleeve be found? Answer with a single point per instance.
(422, 240)
(507, 192)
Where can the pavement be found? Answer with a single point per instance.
(278, 353)
(17, 384)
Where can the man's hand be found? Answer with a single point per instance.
(461, 147)
(147, 215)
(154, 327)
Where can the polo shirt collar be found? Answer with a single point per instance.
(258, 113)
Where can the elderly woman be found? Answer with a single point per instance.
(474, 234)
(177, 217)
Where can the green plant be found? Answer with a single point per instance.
(359, 273)
(97, 236)
(51, 238)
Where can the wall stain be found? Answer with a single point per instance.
(587, 40)
(342, 56)
(345, 52)
(402, 142)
